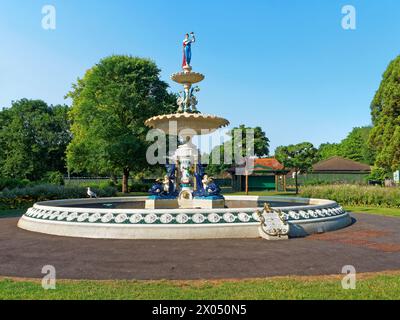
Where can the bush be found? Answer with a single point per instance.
(95, 183)
(12, 183)
(378, 174)
(140, 187)
(316, 182)
(54, 177)
(23, 197)
(99, 185)
(355, 195)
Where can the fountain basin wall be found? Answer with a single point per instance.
(126, 218)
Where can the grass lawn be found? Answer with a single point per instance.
(368, 286)
(390, 212)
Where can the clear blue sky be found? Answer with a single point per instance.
(284, 65)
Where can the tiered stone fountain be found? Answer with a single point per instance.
(186, 204)
(187, 190)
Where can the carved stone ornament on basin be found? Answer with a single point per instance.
(273, 226)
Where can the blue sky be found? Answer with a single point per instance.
(285, 65)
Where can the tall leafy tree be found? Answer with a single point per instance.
(355, 147)
(299, 157)
(110, 104)
(385, 111)
(249, 140)
(33, 139)
(257, 142)
(328, 150)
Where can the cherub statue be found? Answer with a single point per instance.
(193, 99)
(205, 181)
(165, 188)
(181, 101)
(187, 101)
(206, 187)
(166, 184)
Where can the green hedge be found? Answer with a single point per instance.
(23, 197)
(12, 183)
(133, 185)
(355, 195)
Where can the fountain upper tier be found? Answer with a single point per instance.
(187, 77)
(187, 121)
(197, 122)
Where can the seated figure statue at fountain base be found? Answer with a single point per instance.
(208, 193)
(163, 194)
(206, 188)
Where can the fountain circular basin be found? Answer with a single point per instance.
(197, 123)
(127, 218)
(187, 77)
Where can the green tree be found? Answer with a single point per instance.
(299, 157)
(110, 104)
(33, 139)
(328, 150)
(385, 112)
(356, 147)
(256, 144)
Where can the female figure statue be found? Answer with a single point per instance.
(187, 48)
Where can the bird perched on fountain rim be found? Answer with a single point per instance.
(90, 193)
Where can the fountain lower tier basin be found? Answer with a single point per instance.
(186, 124)
(127, 218)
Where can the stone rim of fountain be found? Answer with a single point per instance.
(50, 217)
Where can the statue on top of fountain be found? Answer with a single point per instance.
(165, 189)
(187, 50)
(205, 186)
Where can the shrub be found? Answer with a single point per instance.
(355, 195)
(139, 187)
(54, 177)
(95, 183)
(23, 197)
(12, 183)
(378, 174)
(316, 182)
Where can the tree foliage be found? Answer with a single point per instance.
(33, 139)
(299, 157)
(255, 144)
(328, 150)
(110, 104)
(385, 111)
(354, 147)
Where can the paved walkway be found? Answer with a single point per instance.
(371, 244)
